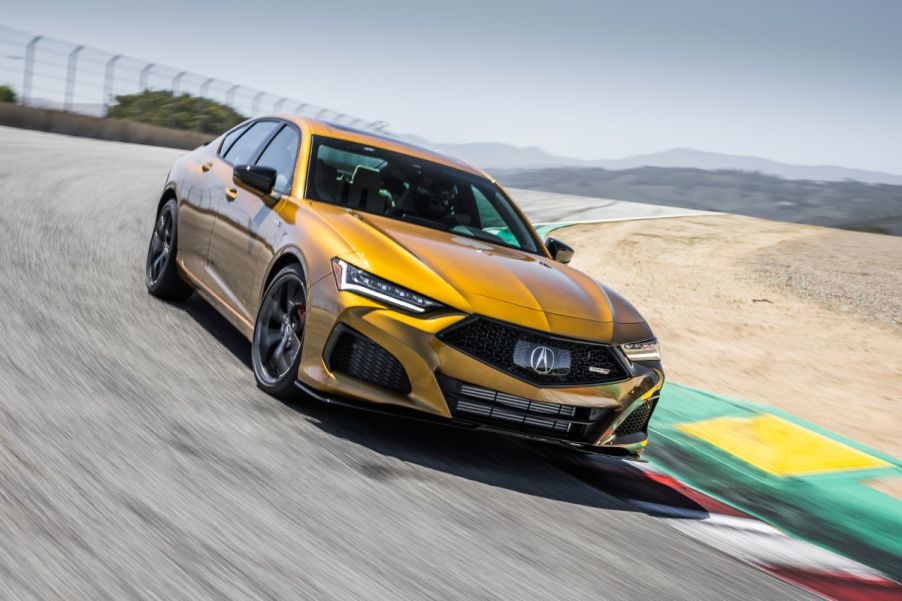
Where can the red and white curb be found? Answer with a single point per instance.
(743, 536)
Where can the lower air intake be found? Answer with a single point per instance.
(505, 411)
(354, 354)
(637, 421)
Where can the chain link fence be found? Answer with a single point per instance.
(50, 73)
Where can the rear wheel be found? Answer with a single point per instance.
(279, 332)
(161, 272)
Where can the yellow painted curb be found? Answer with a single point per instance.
(780, 447)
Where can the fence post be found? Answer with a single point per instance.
(200, 105)
(71, 67)
(108, 81)
(142, 83)
(174, 88)
(176, 82)
(230, 95)
(145, 73)
(29, 68)
(255, 104)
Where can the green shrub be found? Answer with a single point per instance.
(180, 112)
(7, 94)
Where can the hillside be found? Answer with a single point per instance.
(496, 155)
(848, 204)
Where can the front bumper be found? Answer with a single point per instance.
(612, 416)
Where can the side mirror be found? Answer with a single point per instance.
(258, 179)
(559, 251)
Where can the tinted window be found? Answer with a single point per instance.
(403, 187)
(243, 151)
(230, 139)
(281, 155)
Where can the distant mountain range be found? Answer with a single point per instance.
(847, 204)
(494, 155)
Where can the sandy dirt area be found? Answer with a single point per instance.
(803, 318)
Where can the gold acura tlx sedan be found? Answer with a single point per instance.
(371, 272)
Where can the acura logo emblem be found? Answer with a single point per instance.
(542, 360)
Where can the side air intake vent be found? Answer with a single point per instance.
(350, 352)
(637, 421)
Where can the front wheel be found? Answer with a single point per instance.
(279, 333)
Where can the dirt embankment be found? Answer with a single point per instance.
(802, 318)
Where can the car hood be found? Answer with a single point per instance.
(466, 273)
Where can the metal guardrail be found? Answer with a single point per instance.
(50, 73)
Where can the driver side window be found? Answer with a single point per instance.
(282, 154)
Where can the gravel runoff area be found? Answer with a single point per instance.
(804, 318)
(139, 461)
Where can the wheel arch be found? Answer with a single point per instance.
(167, 195)
(288, 256)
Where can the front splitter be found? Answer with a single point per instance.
(403, 412)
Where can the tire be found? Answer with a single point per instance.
(279, 333)
(160, 271)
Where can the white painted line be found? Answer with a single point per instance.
(715, 519)
(638, 218)
(767, 546)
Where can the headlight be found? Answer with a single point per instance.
(354, 279)
(642, 351)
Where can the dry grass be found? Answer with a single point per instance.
(802, 318)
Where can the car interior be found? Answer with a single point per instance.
(402, 187)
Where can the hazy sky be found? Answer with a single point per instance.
(801, 81)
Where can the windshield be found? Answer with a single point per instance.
(402, 187)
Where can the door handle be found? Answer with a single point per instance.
(206, 166)
(231, 193)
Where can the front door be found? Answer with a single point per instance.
(244, 234)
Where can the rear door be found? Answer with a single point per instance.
(243, 236)
(200, 193)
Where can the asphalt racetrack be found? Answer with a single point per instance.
(139, 461)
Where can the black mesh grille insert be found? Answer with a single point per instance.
(637, 421)
(495, 343)
(509, 412)
(354, 354)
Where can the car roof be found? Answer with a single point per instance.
(318, 127)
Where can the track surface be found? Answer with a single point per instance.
(550, 207)
(138, 459)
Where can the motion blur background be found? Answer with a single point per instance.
(808, 81)
(723, 98)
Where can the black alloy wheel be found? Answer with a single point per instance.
(279, 332)
(161, 272)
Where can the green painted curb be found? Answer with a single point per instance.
(544, 229)
(837, 510)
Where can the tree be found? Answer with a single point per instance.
(161, 107)
(7, 94)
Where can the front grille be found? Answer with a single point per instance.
(352, 353)
(509, 412)
(496, 343)
(637, 421)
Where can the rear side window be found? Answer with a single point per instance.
(243, 150)
(230, 139)
(281, 154)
